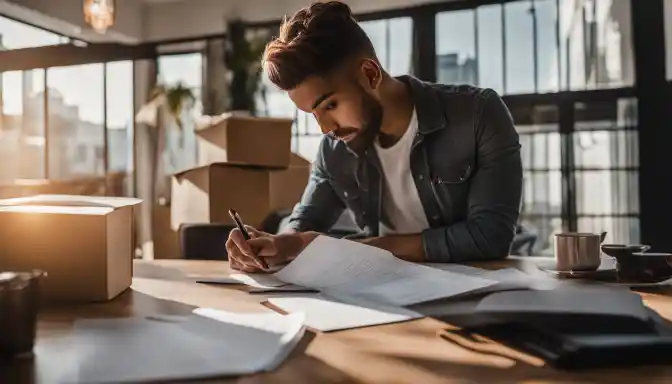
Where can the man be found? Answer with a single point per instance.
(431, 172)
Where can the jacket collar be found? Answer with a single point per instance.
(431, 116)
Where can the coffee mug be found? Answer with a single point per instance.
(578, 251)
(19, 292)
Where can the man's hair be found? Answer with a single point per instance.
(313, 42)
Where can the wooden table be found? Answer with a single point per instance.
(408, 352)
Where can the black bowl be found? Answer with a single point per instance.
(621, 251)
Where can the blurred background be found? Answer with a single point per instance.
(587, 83)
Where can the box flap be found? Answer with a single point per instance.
(227, 164)
(59, 210)
(229, 118)
(73, 201)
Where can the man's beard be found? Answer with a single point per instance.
(373, 120)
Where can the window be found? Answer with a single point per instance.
(119, 123)
(534, 46)
(519, 45)
(393, 41)
(541, 209)
(607, 163)
(595, 44)
(76, 121)
(22, 140)
(15, 35)
(185, 69)
(545, 16)
(490, 45)
(456, 48)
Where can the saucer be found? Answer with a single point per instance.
(606, 271)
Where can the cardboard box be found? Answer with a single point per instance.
(246, 140)
(205, 194)
(166, 240)
(84, 243)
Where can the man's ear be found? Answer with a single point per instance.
(372, 73)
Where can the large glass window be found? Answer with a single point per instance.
(541, 210)
(607, 164)
(187, 70)
(393, 41)
(456, 48)
(14, 35)
(119, 115)
(595, 44)
(76, 121)
(534, 46)
(22, 140)
(490, 46)
(520, 47)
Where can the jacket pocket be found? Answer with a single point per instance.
(452, 188)
(352, 199)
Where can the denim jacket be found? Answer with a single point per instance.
(466, 164)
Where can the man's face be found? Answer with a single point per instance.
(345, 105)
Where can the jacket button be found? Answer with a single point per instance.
(436, 218)
(421, 177)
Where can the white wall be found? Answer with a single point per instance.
(167, 20)
(66, 16)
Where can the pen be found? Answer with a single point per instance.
(246, 235)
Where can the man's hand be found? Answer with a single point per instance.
(275, 250)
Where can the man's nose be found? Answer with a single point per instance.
(327, 126)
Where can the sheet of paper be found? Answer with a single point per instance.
(508, 278)
(342, 267)
(168, 348)
(328, 314)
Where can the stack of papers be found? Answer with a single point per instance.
(210, 343)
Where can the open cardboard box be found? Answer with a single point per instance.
(83, 243)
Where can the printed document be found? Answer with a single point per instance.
(343, 268)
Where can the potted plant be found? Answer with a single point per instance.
(175, 99)
(243, 52)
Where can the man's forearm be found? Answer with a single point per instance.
(405, 247)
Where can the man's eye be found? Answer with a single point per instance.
(331, 105)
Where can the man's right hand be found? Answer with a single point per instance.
(276, 250)
(241, 256)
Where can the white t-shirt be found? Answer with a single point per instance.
(401, 201)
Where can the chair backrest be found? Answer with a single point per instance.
(204, 241)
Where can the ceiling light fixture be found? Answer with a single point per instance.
(99, 14)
